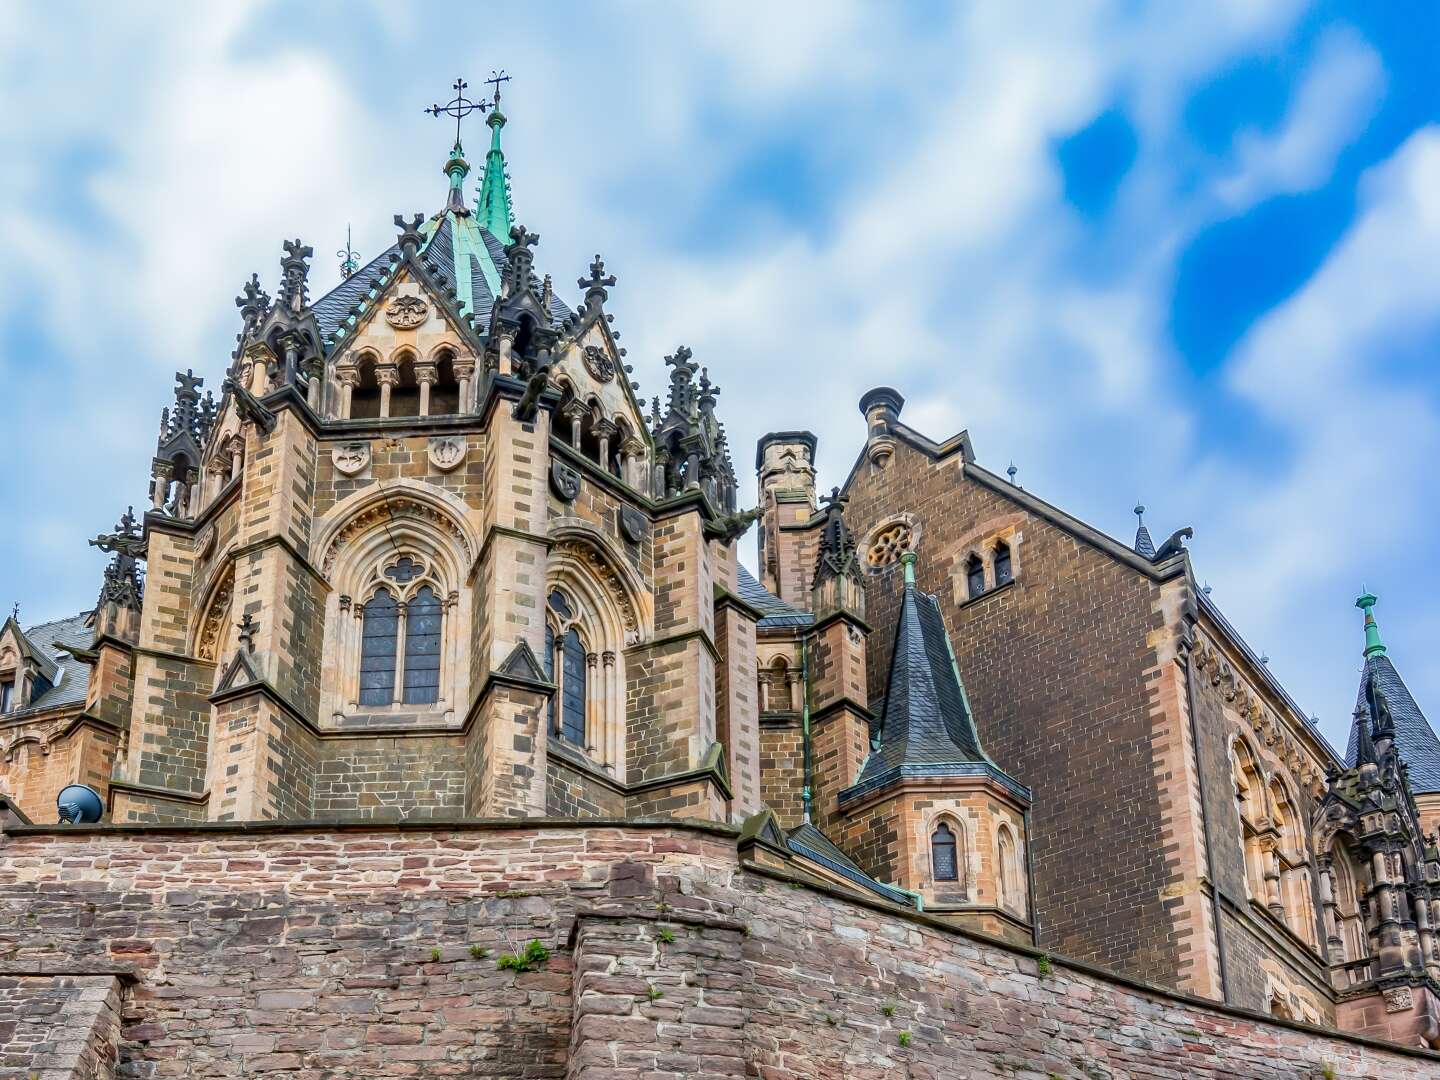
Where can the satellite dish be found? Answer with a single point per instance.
(79, 804)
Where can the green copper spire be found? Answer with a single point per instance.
(908, 560)
(493, 205)
(457, 169)
(1373, 645)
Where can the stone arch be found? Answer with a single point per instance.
(1009, 883)
(965, 875)
(211, 630)
(362, 540)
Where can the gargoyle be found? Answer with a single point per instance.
(1175, 545)
(528, 405)
(248, 407)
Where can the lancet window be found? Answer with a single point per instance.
(402, 637)
(944, 857)
(567, 664)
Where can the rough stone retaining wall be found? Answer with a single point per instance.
(59, 1027)
(332, 953)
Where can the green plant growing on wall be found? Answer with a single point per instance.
(905, 1038)
(1327, 1071)
(478, 953)
(527, 959)
(435, 955)
(888, 1008)
(1042, 966)
(666, 935)
(830, 1019)
(654, 993)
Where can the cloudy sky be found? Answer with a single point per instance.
(1183, 253)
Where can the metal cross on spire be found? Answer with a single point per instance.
(495, 79)
(460, 106)
(349, 258)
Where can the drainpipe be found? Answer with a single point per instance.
(1205, 823)
(805, 795)
(1030, 906)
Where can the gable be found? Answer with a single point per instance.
(404, 321)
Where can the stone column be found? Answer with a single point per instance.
(507, 351)
(348, 377)
(1271, 859)
(312, 385)
(426, 375)
(160, 476)
(605, 431)
(576, 412)
(464, 372)
(387, 377)
(613, 745)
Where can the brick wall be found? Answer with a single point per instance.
(372, 951)
(1055, 666)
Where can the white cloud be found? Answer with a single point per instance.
(1336, 97)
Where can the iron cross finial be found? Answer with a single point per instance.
(460, 106)
(15, 611)
(495, 79)
(349, 258)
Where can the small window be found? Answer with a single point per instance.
(7, 696)
(422, 648)
(944, 866)
(974, 576)
(1002, 564)
(572, 723)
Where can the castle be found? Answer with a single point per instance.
(428, 571)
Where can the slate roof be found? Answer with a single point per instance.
(332, 309)
(71, 676)
(776, 611)
(927, 728)
(1414, 737)
(809, 842)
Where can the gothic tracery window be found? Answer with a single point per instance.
(377, 649)
(1007, 872)
(889, 544)
(974, 576)
(401, 637)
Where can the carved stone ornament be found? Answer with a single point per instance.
(406, 312)
(446, 451)
(564, 481)
(352, 458)
(205, 546)
(632, 524)
(598, 363)
(1398, 999)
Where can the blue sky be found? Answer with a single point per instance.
(1179, 253)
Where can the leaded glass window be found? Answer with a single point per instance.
(572, 722)
(422, 648)
(378, 639)
(944, 866)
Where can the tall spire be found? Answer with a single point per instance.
(1373, 645)
(493, 203)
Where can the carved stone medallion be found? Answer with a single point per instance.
(598, 363)
(406, 312)
(447, 451)
(352, 458)
(564, 481)
(632, 524)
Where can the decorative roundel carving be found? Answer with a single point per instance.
(598, 363)
(352, 458)
(447, 451)
(889, 544)
(406, 312)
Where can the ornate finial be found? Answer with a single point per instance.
(410, 236)
(295, 273)
(908, 560)
(460, 107)
(834, 500)
(1206, 589)
(598, 279)
(1374, 646)
(15, 611)
(1144, 545)
(349, 258)
(247, 627)
(1140, 512)
(1011, 472)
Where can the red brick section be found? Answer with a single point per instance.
(371, 951)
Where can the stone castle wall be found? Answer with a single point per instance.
(369, 951)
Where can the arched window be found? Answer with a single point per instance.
(1002, 563)
(378, 639)
(778, 698)
(445, 394)
(1007, 884)
(565, 655)
(974, 576)
(944, 862)
(405, 394)
(1250, 803)
(422, 648)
